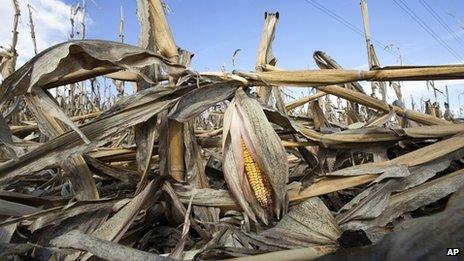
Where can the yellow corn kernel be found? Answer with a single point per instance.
(259, 182)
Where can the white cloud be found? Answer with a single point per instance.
(419, 92)
(51, 22)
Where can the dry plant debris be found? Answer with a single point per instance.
(218, 165)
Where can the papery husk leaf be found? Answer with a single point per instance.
(265, 147)
(238, 134)
(231, 165)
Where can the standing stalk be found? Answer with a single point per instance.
(121, 26)
(167, 47)
(367, 33)
(10, 65)
(120, 84)
(265, 55)
(84, 10)
(371, 56)
(17, 13)
(31, 26)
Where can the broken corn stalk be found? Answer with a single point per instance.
(254, 160)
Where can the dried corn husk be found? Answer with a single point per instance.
(245, 122)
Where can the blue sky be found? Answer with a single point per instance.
(214, 29)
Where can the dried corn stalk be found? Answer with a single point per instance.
(265, 55)
(255, 162)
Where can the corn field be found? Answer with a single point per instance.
(196, 165)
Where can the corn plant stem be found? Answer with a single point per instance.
(305, 78)
(265, 52)
(344, 76)
(167, 47)
(31, 25)
(304, 100)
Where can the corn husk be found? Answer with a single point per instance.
(245, 121)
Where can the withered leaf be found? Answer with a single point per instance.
(74, 61)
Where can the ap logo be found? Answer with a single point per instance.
(452, 251)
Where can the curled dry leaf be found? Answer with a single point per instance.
(420, 238)
(73, 61)
(308, 224)
(102, 248)
(255, 162)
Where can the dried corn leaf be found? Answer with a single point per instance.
(308, 224)
(416, 157)
(145, 140)
(134, 109)
(55, 216)
(84, 222)
(115, 227)
(425, 237)
(8, 208)
(74, 61)
(200, 99)
(6, 138)
(124, 175)
(414, 198)
(102, 248)
(48, 113)
(9, 251)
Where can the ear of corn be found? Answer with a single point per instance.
(255, 162)
(259, 182)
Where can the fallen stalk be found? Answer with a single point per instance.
(317, 78)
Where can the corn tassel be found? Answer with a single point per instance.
(259, 182)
